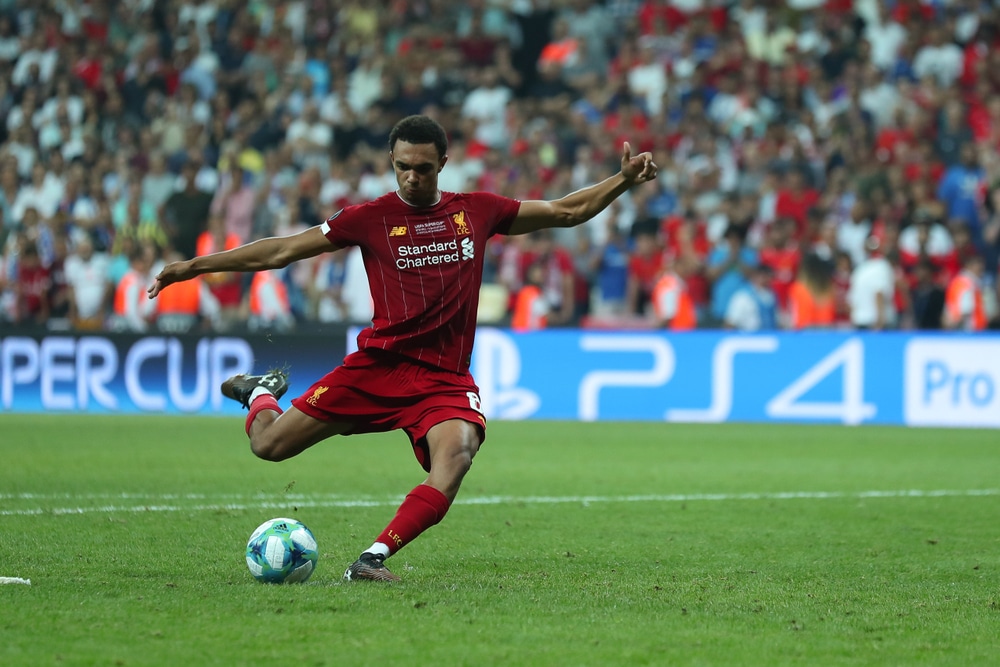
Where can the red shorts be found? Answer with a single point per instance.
(378, 391)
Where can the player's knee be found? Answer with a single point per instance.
(461, 453)
(266, 448)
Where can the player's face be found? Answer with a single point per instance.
(417, 167)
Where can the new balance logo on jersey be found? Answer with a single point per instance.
(397, 231)
(468, 250)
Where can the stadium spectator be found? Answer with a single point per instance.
(939, 57)
(486, 104)
(644, 267)
(926, 296)
(132, 310)
(610, 266)
(754, 306)
(728, 269)
(157, 183)
(182, 306)
(185, 213)
(853, 233)
(268, 304)
(872, 102)
(234, 202)
(963, 301)
(59, 292)
(794, 200)
(32, 286)
(87, 277)
(531, 308)
(962, 189)
(812, 299)
(558, 276)
(885, 36)
(780, 252)
(226, 288)
(872, 291)
(670, 304)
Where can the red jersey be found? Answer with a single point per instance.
(425, 268)
(784, 263)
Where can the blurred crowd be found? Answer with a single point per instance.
(823, 163)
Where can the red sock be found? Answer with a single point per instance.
(263, 402)
(423, 507)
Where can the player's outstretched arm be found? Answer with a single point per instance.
(582, 205)
(270, 253)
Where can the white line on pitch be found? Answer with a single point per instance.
(301, 501)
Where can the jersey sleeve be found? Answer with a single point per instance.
(341, 228)
(503, 211)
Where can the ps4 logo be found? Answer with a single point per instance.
(496, 365)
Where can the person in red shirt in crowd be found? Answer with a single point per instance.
(782, 254)
(891, 138)
(424, 251)
(33, 284)
(843, 267)
(921, 166)
(644, 266)
(795, 198)
(558, 275)
(686, 247)
(627, 120)
(916, 11)
(227, 288)
(660, 18)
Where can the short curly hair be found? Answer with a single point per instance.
(420, 130)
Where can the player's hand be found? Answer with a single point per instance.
(175, 272)
(639, 168)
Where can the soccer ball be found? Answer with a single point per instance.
(282, 551)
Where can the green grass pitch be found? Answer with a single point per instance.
(571, 544)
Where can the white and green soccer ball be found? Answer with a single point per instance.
(282, 551)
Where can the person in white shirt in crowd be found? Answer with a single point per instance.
(34, 195)
(66, 100)
(487, 104)
(648, 78)
(310, 138)
(87, 277)
(462, 171)
(158, 183)
(873, 285)
(939, 57)
(853, 232)
(10, 43)
(37, 54)
(926, 236)
(21, 147)
(884, 36)
(373, 184)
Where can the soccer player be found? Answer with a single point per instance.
(423, 250)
